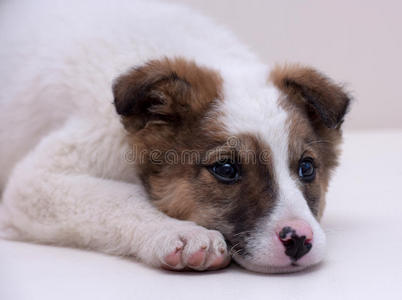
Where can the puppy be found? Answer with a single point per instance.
(144, 129)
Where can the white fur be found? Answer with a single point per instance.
(65, 178)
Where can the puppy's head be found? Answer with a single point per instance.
(252, 162)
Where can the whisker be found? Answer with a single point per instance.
(235, 245)
(233, 248)
(243, 232)
(237, 252)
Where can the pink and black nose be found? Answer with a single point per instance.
(297, 238)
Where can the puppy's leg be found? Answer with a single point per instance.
(44, 205)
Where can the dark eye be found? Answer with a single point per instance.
(225, 171)
(306, 169)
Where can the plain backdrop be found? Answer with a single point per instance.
(358, 43)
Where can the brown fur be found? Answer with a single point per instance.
(323, 98)
(175, 198)
(173, 91)
(323, 148)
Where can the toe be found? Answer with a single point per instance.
(197, 258)
(173, 259)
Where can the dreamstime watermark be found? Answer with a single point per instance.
(232, 150)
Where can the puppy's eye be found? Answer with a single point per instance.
(306, 169)
(225, 171)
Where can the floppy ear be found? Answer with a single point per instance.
(324, 101)
(164, 92)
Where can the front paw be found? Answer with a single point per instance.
(191, 247)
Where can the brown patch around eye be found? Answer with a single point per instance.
(256, 194)
(322, 146)
(191, 192)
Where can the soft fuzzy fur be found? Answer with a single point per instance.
(86, 83)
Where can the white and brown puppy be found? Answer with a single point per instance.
(211, 154)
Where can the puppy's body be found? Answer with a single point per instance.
(67, 176)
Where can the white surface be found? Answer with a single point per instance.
(363, 222)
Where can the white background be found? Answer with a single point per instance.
(356, 42)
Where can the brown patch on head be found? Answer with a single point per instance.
(166, 91)
(317, 108)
